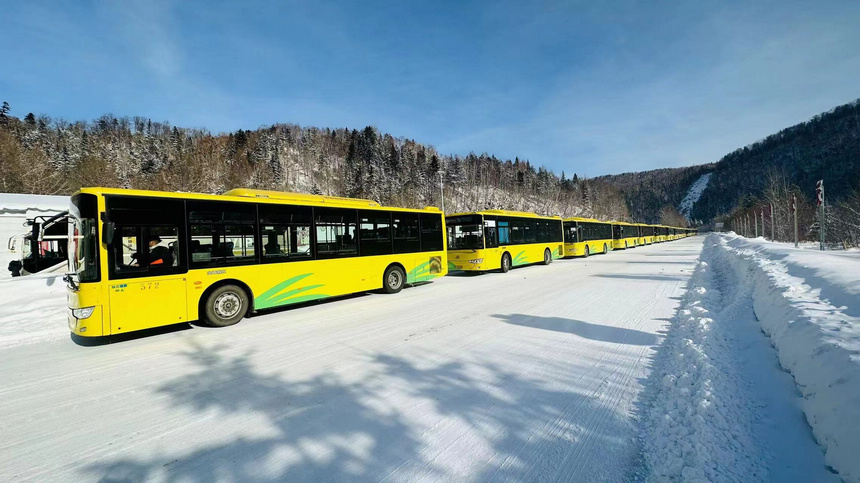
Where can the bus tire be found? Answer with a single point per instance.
(506, 263)
(605, 249)
(226, 305)
(625, 245)
(547, 257)
(585, 254)
(393, 279)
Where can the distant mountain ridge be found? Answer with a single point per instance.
(825, 147)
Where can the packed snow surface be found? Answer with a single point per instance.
(540, 374)
(693, 195)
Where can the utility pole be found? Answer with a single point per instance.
(794, 210)
(442, 191)
(755, 224)
(819, 195)
(772, 236)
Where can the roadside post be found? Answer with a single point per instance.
(772, 236)
(819, 197)
(794, 211)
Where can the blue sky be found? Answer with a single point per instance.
(591, 87)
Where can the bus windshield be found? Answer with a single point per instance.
(465, 232)
(83, 238)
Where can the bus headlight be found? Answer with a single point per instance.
(477, 260)
(83, 313)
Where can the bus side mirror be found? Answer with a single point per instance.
(108, 230)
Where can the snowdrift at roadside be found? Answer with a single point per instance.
(809, 304)
(697, 422)
(33, 309)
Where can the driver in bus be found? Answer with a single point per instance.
(159, 256)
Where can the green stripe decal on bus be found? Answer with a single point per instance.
(520, 259)
(451, 266)
(555, 253)
(419, 274)
(279, 295)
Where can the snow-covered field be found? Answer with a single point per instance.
(541, 374)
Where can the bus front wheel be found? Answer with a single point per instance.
(393, 279)
(226, 305)
(547, 257)
(506, 263)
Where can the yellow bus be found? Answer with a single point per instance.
(661, 233)
(586, 236)
(624, 235)
(143, 259)
(646, 234)
(499, 240)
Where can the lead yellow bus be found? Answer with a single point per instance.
(144, 259)
(586, 236)
(500, 239)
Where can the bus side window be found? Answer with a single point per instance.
(432, 238)
(148, 238)
(286, 232)
(406, 233)
(491, 238)
(335, 232)
(504, 232)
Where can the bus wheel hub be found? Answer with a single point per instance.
(227, 305)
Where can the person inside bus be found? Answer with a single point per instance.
(159, 256)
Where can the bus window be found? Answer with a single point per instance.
(491, 236)
(504, 232)
(406, 233)
(465, 232)
(221, 233)
(286, 233)
(147, 237)
(375, 233)
(335, 232)
(431, 233)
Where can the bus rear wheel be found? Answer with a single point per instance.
(547, 257)
(585, 254)
(605, 249)
(226, 305)
(506, 263)
(393, 279)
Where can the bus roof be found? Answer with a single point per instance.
(590, 220)
(524, 214)
(261, 196)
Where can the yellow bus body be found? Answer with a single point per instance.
(643, 238)
(629, 239)
(578, 249)
(132, 304)
(486, 259)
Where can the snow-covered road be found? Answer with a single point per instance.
(531, 375)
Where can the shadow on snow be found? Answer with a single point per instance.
(490, 422)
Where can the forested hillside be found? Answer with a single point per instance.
(53, 156)
(825, 147)
(655, 195)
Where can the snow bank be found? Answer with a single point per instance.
(33, 310)
(697, 425)
(809, 304)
